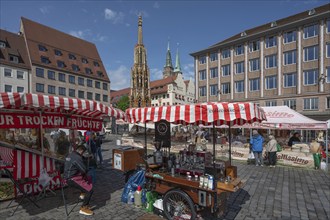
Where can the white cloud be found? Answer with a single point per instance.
(120, 78)
(115, 17)
(45, 9)
(100, 38)
(188, 71)
(156, 5)
(156, 74)
(81, 33)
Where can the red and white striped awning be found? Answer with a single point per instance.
(33, 102)
(218, 113)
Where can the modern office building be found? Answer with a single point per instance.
(64, 65)
(15, 65)
(284, 62)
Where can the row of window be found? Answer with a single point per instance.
(177, 96)
(71, 92)
(271, 41)
(310, 77)
(72, 79)
(289, 57)
(10, 73)
(160, 96)
(9, 88)
(175, 103)
(309, 103)
(71, 56)
(74, 67)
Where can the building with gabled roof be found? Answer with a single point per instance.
(64, 65)
(15, 65)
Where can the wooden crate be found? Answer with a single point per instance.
(126, 159)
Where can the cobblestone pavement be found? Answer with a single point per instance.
(268, 193)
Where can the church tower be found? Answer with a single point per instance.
(177, 69)
(140, 76)
(168, 67)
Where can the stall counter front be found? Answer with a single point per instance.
(298, 156)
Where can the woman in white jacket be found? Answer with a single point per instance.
(271, 150)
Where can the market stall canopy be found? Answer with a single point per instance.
(36, 102)
(217, 113)
(283, 117)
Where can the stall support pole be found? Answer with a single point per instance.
(229, 145)
(41, 141)
(326, 150)
(214, 139)
(145, 140)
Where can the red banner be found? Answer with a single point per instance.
(53, 120)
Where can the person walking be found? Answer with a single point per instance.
(316, 149)
(98, 143)
(75, 173)
(271, 150)
(256, 144)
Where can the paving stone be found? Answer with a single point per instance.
(286, 193)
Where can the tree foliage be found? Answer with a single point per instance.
(123, 103)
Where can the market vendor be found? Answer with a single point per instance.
(294, 138)
(199, 135)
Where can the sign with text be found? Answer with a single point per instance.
(163, 133)
(53, 120)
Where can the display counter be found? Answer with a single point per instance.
(297, 156)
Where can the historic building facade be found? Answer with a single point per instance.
(15, 66)
(171, 90)
(60, 64)
(140, 75)
(284, 62)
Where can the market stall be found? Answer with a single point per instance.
(281, 118)
(26, 120)
(193, 178)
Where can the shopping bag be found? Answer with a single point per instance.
(251, 155)
(323, 165)
(44, 178)
(133, 182)
(278, 147)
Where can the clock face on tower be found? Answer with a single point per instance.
(162, 128)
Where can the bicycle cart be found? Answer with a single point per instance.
(193, 181)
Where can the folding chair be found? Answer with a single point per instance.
(44, 182)
(64, 187)
(20, 189)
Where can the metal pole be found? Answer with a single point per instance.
(326, 150)
(41, 141)
(145, 140)
(214, 139)
(229, 146)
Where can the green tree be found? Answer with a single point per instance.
(123, 103)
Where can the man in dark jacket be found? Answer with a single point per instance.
(295, 138)
(75, 172)
(98, 143)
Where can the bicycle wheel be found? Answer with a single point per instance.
(178, 205)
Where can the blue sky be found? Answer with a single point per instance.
(112, 26)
